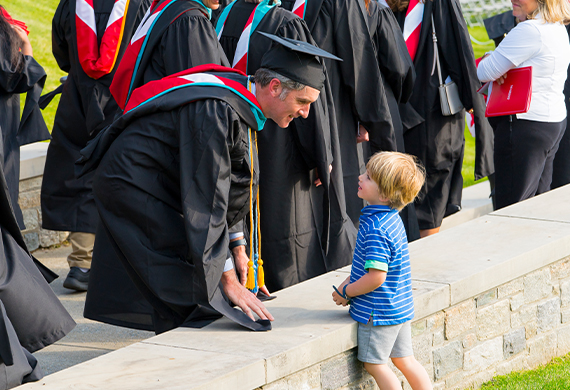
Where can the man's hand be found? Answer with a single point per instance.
(243, 298)
(241, 260)
(318, 180)
(362, 134)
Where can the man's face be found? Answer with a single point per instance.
(295, 104)
(212, 4)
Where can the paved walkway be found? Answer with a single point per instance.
(89, 339)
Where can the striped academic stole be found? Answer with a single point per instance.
(299, 8)
(122, 84)
(413, 26)
(98, 61)
(205, 75)
(242, 49)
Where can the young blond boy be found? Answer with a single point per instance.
(380, 285)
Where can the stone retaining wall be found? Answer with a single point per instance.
(518, 325)
(29, 200)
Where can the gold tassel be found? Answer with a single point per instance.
(260, 273)
(250, 284)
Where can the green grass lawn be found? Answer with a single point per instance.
(554, 376)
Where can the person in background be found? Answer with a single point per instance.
(438, 140)
(19, 73)
(379, 287)
(525, 144)
(88, 42)
(561, 164)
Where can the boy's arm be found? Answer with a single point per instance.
(367, 283)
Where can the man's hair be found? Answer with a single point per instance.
(263, 77)
(399, 177)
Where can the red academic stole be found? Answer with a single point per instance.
(413, 26)
(99, 61)
(124, 76)
(13, 21)
(242, 49)
(299, 8)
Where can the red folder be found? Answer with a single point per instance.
(513, 96)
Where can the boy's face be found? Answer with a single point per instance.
(368, 190)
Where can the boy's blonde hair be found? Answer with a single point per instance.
(399, 177)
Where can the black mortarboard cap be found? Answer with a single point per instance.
(296, 60)
(499, 25)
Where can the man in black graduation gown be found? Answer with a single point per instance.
(85, 108)
(437, 140)
(561, 164)
(175, 172)
(31, 316)
(340, 27)
(19, 73)
(314, 234)
(398, 76)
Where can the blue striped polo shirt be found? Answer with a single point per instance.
(382, 244)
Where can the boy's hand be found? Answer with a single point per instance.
(339, 300)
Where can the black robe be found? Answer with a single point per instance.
(177, 42)
(172, 176)
(86, 107)
(27, 76)
(305, 231)
(398, 77)
(340, 27)
(561, 164)
(31, 316)
(438, 141)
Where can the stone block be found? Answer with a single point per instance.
(516, 363)
(525, 317)
(31, 218)
(475, 381)
(309, 379)
(277, 385)
(447, 359)
(438, 338)
(565, 314)
(493, 320)
(560, 269)
(548, 315)
(63, 236)
(435, 321)
(460, 318)
(454, 379)
(367, 384)
(537, 285)
(510, 288)
(486, 298)
(35, 183)
(48, 238)
(541, 349)
(563, 337)
(29, 199)
(517, 301)
(565, 292)
(422, 346)
(469, 341)
(32, 241)
(439, 386)
(418, 327)
(483, 355)
(341, 370)
(514, 342)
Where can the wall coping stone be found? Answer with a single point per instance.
(447, 268)
(33, 159)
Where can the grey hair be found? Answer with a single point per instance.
(263, 77)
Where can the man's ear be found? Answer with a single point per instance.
(275, 87)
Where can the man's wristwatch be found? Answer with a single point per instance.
(236, 243)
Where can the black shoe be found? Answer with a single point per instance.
(76, 279)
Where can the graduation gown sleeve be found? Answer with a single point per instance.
(59, 44)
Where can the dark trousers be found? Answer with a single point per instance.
(524, 153)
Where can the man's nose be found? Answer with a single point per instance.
(304, 112)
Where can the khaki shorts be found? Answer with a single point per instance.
(377, 344)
